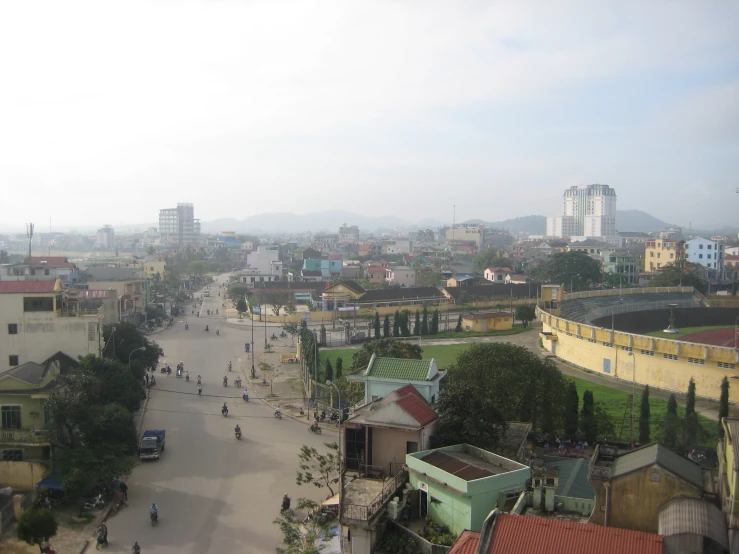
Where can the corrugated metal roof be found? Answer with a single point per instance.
(28, 287)
(30, 372)
(662, 456)
(573, 478)
(58, 261)
(537, 535)
(696, 516)
(399, 368)
(455, 466)
(466, 543)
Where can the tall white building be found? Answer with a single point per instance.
(708, 253)
(178, 226)
(589, 211)
(105, 238)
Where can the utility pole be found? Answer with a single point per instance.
(29, 234)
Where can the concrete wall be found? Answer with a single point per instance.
(389, 445)
(662, 363)
(637, 498)
(42, 334)
(21, 476)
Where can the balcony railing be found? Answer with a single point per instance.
(34, 436)
(74, 312)
(366, 512)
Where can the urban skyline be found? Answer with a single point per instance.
(466, 102)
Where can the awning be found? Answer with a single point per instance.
(333, 501)
(50, 483)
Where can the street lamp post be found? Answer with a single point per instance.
(572, 282)
(341, 416)
(251, 353)
(633, 397)
(131, 354)
(341, 480)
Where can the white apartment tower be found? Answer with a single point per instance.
(178, 226)
(589, 211)
(105, 238)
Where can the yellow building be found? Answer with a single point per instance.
(154, 267)
(661, 252)
(482, 322)
(728, 459)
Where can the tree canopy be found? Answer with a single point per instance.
(128, 338)
(525, 312)
(570, 268)
(496, 382)
(674, 276)
(36, 526)
(386, 348)
(491, 258)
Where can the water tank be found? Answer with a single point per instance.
(392, 508)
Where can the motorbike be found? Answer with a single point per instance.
(154, 518)
(164, 369)
(200, 390)
(273, 337)
(186, 326)
(315, 428)
(283, 334)
(100, 542)
(245, 397)
(225, 382)
(206, 329)
(179, 374)
(187, 377)
(278, 415)
(238, 383)
(224, 411)
(94, 503)
(238, 435)
(218, 331)
(334, 418)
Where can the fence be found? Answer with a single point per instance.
(366, 512)
(422, 545)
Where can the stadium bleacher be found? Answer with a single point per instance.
(585, 310)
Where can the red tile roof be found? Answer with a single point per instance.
(534, 535)
(58, 261)
(405, 390)
(417, 408)
(28, 287)
(466, 543)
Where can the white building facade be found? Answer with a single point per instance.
(178, 226)
(265, 260)
(707, 253)
(105, 238)
(588, 211)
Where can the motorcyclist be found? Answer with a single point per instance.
(278, 412)
(237, 429)
(285, 503)
(229, 366)
(245, 396)
(187, 376)
(237, 382)
(154, 511)
(199, 378)
(225, 381)
(136, 548)
(224, 410)
(102, 534)
(206, 328)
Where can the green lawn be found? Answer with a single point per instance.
(616, 402)
(686, 331)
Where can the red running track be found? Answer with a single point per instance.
(715, 337)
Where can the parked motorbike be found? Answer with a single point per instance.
(94, 503)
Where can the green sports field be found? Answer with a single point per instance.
(616, 402)
(687, 331)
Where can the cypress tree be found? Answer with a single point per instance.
(386, 327)
(572, 409)
(588, 422)
(692, 426)
(435, 322)
(405, 323)
(672, 423)
(644, 417)
(723, 406)
(417, 324)
(425, 321)
(339, 368)
(329, 375)
(396, 324)
(458, 328)
(377, 325)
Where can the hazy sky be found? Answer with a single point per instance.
(110, 111)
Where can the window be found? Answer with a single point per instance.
(12, 328)
(647, 352)
(626, 348)
(607, 345)
(411, 447)
(696, 361)
(46, 271)
(700, 247)
(11, 417)
(724, 365)
(12, 455)
(669, 356)
(13, 360)
(35, 304)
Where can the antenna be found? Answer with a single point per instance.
(29, 234)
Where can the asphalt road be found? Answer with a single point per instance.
(215, 494)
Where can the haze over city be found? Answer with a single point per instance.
(383, 108)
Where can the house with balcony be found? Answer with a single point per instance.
(36, 321)
(384, 431)
(385, 375)
(460, 485)
(25, 438)
(129, 283)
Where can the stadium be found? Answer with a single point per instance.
(619, 334)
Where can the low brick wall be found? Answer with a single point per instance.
(424, 546)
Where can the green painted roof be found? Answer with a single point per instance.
(398, 368)
(573, 478)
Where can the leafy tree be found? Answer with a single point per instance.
(151, 251)
(491, 258)
(109, 381)
(723, 405)
(495, 382)
(572, 409)
(385, 348)
(377, 325)
(425, 321)
(237, 289)
(322, 470)
(691, 427)
(301, 535)
(672, 423)
(417, 324)
(386, 327)
(435, 322)
(197, 268)
(525, 312)
(277, 300)
(36, 527)
(329, 372)
(574, 268)
(588, 422)
(339, 367)
(4, 258)
(269, 373)
(241, 305)
(676, 275)
(126, 339)
(458, 328)
(291, 329)
(396, 324)
(290, 306)
(615, 281)
(426, 277)
(644, 417)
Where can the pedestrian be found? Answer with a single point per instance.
(124, 490)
